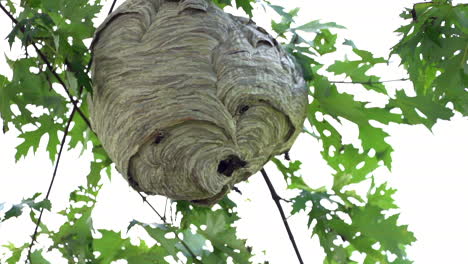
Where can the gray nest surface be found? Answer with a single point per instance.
(189, 100)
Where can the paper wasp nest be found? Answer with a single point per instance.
(189, 100)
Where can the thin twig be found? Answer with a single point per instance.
(112, 7)
(51, 69)
(372, 82)
(144, 198)
(62, 144)
(277, 199)
(165, 222)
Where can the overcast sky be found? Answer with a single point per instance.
(429, 169)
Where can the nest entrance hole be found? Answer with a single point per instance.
(230, 164)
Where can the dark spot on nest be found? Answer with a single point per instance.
(230, 164)
(159, 137)
(243, 109)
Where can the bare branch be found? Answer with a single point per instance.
(112, 7)
(277, 199)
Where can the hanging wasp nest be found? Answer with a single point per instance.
(189, 100)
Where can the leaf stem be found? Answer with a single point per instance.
(277, 199)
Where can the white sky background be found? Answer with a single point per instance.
(429, 169)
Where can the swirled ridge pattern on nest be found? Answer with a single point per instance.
(189, 100)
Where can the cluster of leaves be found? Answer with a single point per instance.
(78, 242)
(35, 205)
(203, 236)
(55, 31)
(346, 222)
(36, 101)
(438, 77)
(434, 50)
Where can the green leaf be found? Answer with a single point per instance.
(368, 226)
(350, 43)
(218, 228)
(329, 101)
(158, 233)
(11, 6)
(419, 109)
(5, 110)
(33, 138)
(357, 70)
(194, 241)
(246, 5)
(372, 223)
(37, 258)
(315, 26)
(287, 18)
(94, 175)
(109, 245)
(74, 239)
(113, 247)
(222, 3)
(382, 197)
(17, 209)
(325, 42)
(16, 252)
(29, 89)
(289, 171)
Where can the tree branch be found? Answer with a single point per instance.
(112, 7)
(62, 144)
(372, 82)
(51, 69)
(277, 199)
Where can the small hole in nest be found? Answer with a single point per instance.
(159, 137)
(230, 164)
(243, 109)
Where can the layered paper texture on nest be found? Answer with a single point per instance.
(189, 100)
